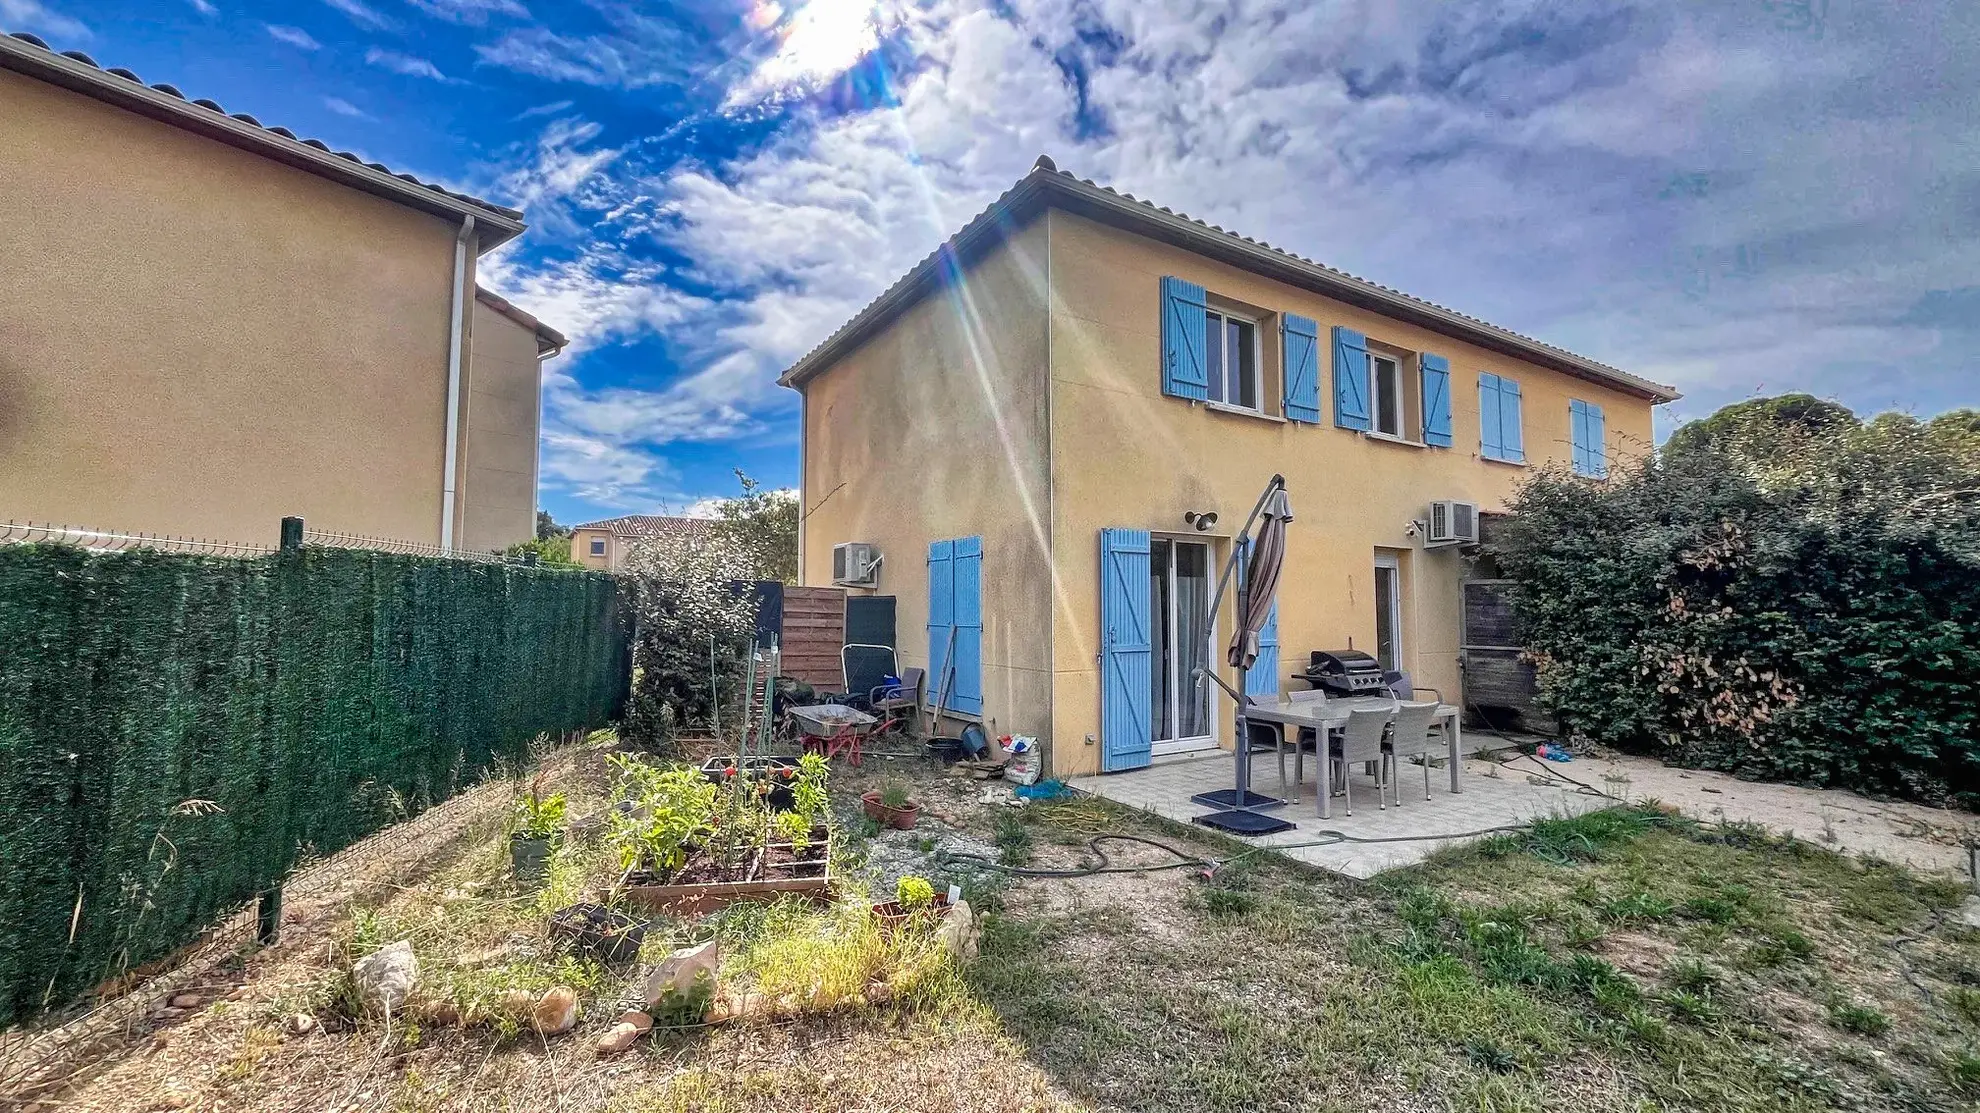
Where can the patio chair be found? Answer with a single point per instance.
(1360, 743)
(898, 705)
(1409, 736)
(1300, 744)
(865, 666)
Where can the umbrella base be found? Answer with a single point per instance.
(1234, 798)
(1240, 822)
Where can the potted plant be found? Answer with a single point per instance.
(598, 932)
(538, 819)
(914, 897)
(891, 806)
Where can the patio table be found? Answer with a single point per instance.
(1321, 715)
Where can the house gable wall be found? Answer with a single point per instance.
(934, 428)
(198, 340)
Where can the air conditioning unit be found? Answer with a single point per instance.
(855, 564)
(1453, 523)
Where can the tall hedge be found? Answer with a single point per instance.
(176, 729)
(1777, 598)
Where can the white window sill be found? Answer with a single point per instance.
(1240, 411)
(1505, 463)
(1392, 439)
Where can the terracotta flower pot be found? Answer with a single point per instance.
(902, 818)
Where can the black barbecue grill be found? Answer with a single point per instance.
(1345, 672)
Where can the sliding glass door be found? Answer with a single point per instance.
(1179, 593)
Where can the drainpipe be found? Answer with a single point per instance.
(447, 479)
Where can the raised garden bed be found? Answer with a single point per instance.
(703, 885)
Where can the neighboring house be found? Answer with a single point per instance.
(207, 324)
(606, 543)
(1029, 425)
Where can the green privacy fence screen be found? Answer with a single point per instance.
(312, 696)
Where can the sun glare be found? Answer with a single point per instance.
(820, 40)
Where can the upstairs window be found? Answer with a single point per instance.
(1591, 439)
(1230, 352)
(598, 546)
(1385, 383)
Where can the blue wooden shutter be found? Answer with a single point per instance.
(1510, 424)
(1351, 379)
(1591, 440)
(1436, 400)
(1491, 444)
(1183, 322)
(1263, 677)
(941, 617)
(968, 617)
(1299, 342)
(1127, 650)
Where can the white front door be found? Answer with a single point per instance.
(1388, 612)
(1179, 584)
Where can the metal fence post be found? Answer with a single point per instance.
(268, 904)
(292, 529)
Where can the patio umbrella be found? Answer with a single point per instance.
(1256, 589)
(1261, 579)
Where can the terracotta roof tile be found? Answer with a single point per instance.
(645, 527)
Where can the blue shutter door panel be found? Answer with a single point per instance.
(1578, 431)
(1127, 651)
(1299, 340)
(1183, 372)
(1436, 400)
(1510, 430)
(941, 613)
(1351, 379)
(968, 617)
(1491, 445)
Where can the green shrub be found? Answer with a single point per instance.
(1786, 594)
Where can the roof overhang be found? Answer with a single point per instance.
(1046, 187)
(548, 340)
(494, 225)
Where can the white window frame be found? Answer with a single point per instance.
(1377, 389)
(598, 546)
(1392, 564)
(1257, 359)
(1181, 687)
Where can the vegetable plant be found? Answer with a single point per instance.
(914, 893)
(539, 816)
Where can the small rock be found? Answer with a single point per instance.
(186, 1001)
(960, 934)
(1969, 913)
(301, 1024)
(556, 1011)
(637, 1019)
(879, 993)
(617, 1040)
(678, 972)
(170, 1013)
(385, 977)
(443, 1014)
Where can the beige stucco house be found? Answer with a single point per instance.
(1030, 427)
(606, 543)
(207, 324)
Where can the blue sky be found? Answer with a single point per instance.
(1734, 196)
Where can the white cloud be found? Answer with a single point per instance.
(362, 14)
(343, 107)
(822, 40)
(550, 109)
(294, 36)
(405, 64)
(472, 12)
(205, 8)
(32, 15)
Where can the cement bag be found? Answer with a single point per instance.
(1026, 759)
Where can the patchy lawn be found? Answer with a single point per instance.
(1625, 960)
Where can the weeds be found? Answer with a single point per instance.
(1860, 1019)
(1013, 840)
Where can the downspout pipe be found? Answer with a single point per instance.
(455, 336)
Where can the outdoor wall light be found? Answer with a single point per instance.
(1204, 521)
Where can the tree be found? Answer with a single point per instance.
(547, 527)
(763, 524)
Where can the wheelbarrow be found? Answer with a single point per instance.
(831, 729)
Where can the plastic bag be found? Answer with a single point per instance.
(1026, 759)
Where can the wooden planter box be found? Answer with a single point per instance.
(766, 879)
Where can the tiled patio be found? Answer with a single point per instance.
(1492, 797)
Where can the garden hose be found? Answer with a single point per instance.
(1103, 865)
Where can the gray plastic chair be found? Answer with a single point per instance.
(1409, 737)
(1360, 743)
